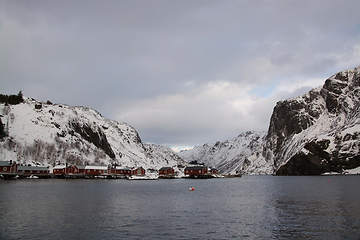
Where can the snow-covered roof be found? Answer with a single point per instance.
(195, 168)
(123, 168)
(5, 163)
(164, 168)
(96, 167)
(59, 167)
(134, 168)
(23, 168)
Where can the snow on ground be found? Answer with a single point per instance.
(353, 171)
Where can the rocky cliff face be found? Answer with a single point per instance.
(45, 133)
(319, 131)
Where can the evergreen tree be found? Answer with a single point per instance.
(12, 99)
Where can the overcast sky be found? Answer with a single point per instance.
(182, 73)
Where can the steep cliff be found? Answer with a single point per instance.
(319, 131)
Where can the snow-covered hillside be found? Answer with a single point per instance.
(228, 156)
(46, 133)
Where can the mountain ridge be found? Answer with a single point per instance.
(311, 134)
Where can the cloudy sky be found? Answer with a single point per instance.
(181, 72)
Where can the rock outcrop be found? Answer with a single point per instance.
(319, 131)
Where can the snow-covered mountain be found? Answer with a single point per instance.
(228, 156)
(314, 133)
(48, 134)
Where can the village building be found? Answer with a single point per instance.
(213, 171)
(166, 171)
(71, 170)
(140, 171)
(8, 167)
(96, 170)
(33, 170)
(196, 171)
(59, 170)
(126, 171)
(80, 171)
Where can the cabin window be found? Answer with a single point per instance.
(4, 168)
(88, 170)
(199, 171)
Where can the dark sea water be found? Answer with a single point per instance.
(251, 207)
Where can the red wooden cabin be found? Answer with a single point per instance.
(196, 170)
(8, 167)
(72, 170)
(81, 170)
(138, 171)
(122, 170)
(59, 170)
(166, 171)
(96, 170)
(33, 170)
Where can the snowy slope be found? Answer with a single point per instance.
(49, 134)
(228, 156)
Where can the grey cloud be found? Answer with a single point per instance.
(101, 53)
